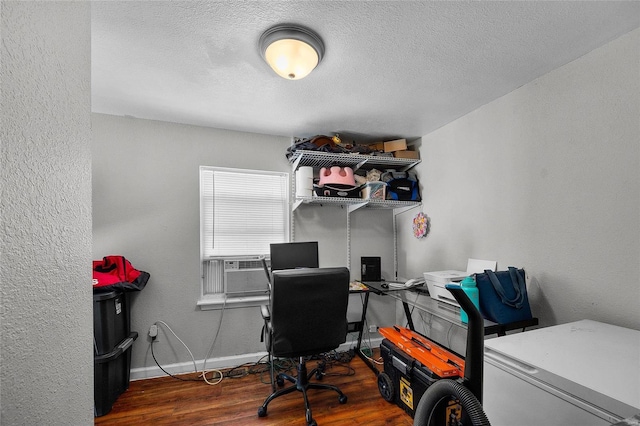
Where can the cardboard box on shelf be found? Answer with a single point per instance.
(406, 153)
(378, 146)
(396, 145)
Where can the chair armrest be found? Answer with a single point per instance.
(266, 328)
(266, 314)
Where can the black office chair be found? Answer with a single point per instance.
(307, 316)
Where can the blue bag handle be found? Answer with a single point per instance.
(517, 281)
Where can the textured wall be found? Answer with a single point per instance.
(46, 309)
(547, 178)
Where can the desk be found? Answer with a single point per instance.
(418, 298)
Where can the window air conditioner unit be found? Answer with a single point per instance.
(245, 277)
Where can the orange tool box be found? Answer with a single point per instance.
(435, 349)
(437, 359)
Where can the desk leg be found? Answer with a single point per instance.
(366, 360)
(407, 312)
(362, 320)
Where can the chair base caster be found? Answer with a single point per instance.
(262, 412)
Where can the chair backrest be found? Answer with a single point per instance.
(308, 310)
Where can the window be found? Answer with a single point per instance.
(241, 213)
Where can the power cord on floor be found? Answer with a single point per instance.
(203, 373)
(215, 338)
(335, 359)
(369, 347)
(375, 361)
(165, 371)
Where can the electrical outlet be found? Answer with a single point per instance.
(153, 332)
(373, 329)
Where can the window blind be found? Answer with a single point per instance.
(242, 211)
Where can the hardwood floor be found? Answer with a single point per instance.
(235, 401)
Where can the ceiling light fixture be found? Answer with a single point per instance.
(291, 50)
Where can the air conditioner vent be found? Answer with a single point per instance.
(235, 277)
(244, 277)
(242, 264)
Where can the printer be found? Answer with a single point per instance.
(436, 281)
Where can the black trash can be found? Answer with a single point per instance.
(111, 375)
(112, 341)
(111, 320)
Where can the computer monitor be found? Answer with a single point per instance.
(294, 255)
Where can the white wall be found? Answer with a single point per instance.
(46, 365)
(546, 178)
(146, 207)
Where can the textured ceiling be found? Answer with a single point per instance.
(391, 69)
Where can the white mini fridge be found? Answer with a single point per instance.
(581, 373)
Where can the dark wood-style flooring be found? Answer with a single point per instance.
(235, 401)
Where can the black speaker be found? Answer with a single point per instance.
(370, 269)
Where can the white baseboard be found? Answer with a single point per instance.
(217, 363)
(187, 367)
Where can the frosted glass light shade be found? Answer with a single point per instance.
(292, 52)
(291, 59)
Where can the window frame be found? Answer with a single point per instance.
(218, 300)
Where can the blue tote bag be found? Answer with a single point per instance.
(503, 295)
